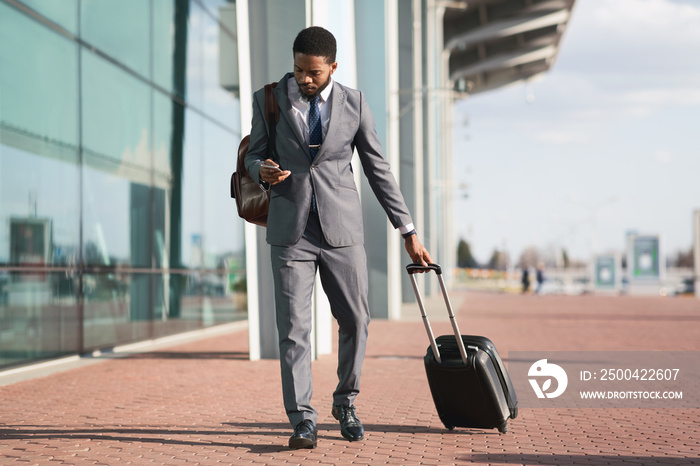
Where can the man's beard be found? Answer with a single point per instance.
(317, 92)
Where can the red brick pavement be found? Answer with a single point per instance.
(205, 403)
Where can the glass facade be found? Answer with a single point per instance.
(119, 127)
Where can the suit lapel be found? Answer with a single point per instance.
(287, 112)
(338, 99)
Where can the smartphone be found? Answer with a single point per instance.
(272, 166)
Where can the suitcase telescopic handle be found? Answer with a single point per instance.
(415, 268)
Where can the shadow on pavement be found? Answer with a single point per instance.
(145, 435)
(369, 428)
(165, 436)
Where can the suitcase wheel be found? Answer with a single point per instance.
(503, 428)
(449, 427)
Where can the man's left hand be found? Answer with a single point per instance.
(417, 252)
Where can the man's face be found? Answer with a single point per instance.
(312, 73)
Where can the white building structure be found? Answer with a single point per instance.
(412, 59)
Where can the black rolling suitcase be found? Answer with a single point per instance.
(468, 380)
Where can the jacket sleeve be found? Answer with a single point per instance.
(257, 150)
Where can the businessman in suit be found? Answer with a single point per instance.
(315, 222)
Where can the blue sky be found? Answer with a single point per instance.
(610, 130)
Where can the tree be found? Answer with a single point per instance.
(464, 255)
(529, 257)
(497, 261)
(683, 259)
(565, 258)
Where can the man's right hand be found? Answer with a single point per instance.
(272, 175)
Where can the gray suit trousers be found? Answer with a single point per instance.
(343, 273)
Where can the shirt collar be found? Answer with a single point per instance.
(293, 90)
(326, 93)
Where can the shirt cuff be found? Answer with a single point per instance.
(406, 228)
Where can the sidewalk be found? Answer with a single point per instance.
(204, 403)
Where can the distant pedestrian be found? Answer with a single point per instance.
(539, 277)
(525, 279)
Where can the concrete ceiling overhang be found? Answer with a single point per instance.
(492, 43)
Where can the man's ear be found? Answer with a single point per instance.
(334, 65)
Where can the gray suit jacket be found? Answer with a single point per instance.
(351, 127)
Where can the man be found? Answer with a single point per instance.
(539, 276)
(315, 222)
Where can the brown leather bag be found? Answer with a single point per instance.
(252, 198)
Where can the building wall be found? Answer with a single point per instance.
(373, 80)
(118, 121)
(273, 26)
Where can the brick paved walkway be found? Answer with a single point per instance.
(204, 403)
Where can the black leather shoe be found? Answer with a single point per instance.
(350, 427)
(304, 435)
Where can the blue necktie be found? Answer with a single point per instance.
(315, 137)
(315, 132)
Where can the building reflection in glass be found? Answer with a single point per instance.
(115, 152)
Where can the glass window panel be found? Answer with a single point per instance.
(161, 228)
(64, 13)
(155, 176)
(223, 238)
(170, 36)
(116, 309)
(116, 120)
(119, 28)
(198, 301)
(238, 288)
(184, 304)
(192, 202)
(117, 219)
(38, 316)
(106, 219)
(220, 303)
(38, 96)
(140, 225)
(39, 178)
(163, 42)
(219, 100)
(118, 161)
(39, 204)
(168, 121)
(178, 160)
(213, 5)
(195, 56)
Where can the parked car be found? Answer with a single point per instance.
(577, 286)
(552, 286)
(687, 287)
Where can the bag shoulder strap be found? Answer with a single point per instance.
(272, 113)
(272, 110)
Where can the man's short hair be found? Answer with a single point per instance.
(317, 42)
